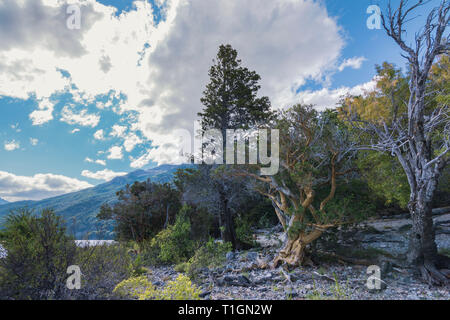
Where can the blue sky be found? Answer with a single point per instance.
(69, 122)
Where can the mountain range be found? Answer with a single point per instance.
(3, 201)
(79, 209)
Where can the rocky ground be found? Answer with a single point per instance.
(379, 241)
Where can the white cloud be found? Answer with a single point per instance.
(75, 130)
(105, 174)
(115, 153)
(37, 187)
(141, 161)
(118, 131)
(99, 135)
(43, 114)
(286, 41)
(34, 141)
(11, 145)
(82, 118)
(98, 161)
(354, 63)
(131, 141)
(329, 98)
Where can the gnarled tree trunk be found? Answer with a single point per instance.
(294, 250)
(422, 252)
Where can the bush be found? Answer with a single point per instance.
(256, 213)
(174, 243)
(180, 289)
(38, 254)
(135, 287)
(244, 230)
(141, 288)
(142, 210)
(210, 255)
(103, 267)
(202, 222)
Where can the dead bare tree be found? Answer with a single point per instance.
(419, 138)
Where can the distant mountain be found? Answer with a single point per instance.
(80, 208)
(3, 201)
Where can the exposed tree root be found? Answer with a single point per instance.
(432, 275)
(293, 255)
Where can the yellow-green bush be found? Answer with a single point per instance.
(180, 289)
(134, 287)
(141, 288)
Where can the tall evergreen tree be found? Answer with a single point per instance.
(230, 99)
(231, 102)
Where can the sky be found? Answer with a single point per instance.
(80, 106)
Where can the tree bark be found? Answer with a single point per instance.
(226, 222)
(294, 251)
(422, 253)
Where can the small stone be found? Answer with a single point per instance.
(252, 256)
(230, 256)
(308, 287)
(204, 294)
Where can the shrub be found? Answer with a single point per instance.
(103, 267)
(135, 287)
(141, 288)
(180, 289)
(244, 230)
(211, 254)
(142, 210)
(38, 254)
(202, 222)
(256, 213)
(174, 243)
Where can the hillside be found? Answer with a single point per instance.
(3, 201)
(80, 208)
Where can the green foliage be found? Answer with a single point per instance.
(102, 268)
(202, 222)
(142, 289)
(135, 288)
(137, 266)
(385, 177)
(230, 99)
(338, 292)
(355, 197)
(180, 289)
(244, 230)
(256, 213)
(174, 243)
(142, 210)
(211, 255)
(445, 252)
(295, 229)
(39, 253)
